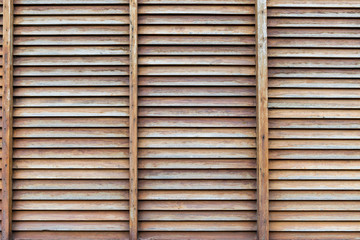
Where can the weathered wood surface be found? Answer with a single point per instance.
(313, 119)
(7, 119)
(71, 117)
(150, 119)
(262, 134)
(133, 118)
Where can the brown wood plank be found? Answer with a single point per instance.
(133, 120)
(262, 121)
(198, 235)
(47, 235)
(7, 105)
(315, 4)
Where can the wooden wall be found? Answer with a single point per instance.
(180, 119)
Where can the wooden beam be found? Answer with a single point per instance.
(133, 201)
(262, 121)
(7, 107)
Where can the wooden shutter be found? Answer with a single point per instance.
(314, 82)
(71, 119)
(197, 120)
(67, 168)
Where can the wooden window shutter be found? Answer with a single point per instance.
(197, 148)
(314, 119)
(71, 127)
(180, 119)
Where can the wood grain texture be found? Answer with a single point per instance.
(133, 120)
(7, 121)
(262, 121)
(314, 121)
(81, 162)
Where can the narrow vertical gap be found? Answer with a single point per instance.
(262, 121)
(133, 201)
(7, 107)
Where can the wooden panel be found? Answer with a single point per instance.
(197, 127)
(7, 117)
(133, 118)
(262, 126)
(314, 119)
(71, 117)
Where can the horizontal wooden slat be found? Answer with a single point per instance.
(317, 164)
(197, 30)
(225, 195)
(195, 153)
(30, 2)
(313, 175)
(318, 3)
(193, 9)
(197, 205)
(63, 8)
(71, 164)
(70, 132)
(197, 235)
(71, 174)
(315, 226)
(106, 184)
(197, 112)
(70, 226)
(70, 205)
(46, 235)
(71, 30)
(315, 185)
(70, 195)
(314, 144)
(196, 174)
(71, 122)
(197, 164)
(196, 143)
(68, 153)
(70, 91)
(197, 132)
(313, 33)
(313, 12)
(196, 40)
(317, 22)
(68, 20)
(197, 226)
(196, 19)
(196, 101)
(71, 143)
(314, 205)
(197, 216)
(313, 235)
(314, 195)
(71, 112)
(71, 215)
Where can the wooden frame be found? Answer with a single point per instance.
(262, 121)
(133, 200)
(7, 107)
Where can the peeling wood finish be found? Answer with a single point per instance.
(7, 120)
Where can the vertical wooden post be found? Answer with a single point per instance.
(262, 121)
(7, 107)
(133, 119)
